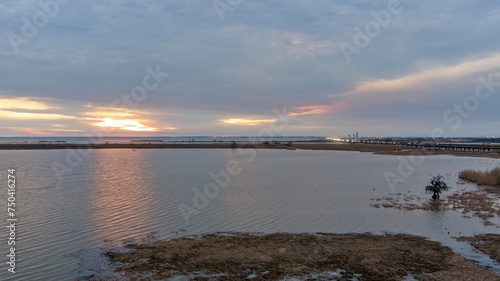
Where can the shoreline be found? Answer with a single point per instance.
(360, 147)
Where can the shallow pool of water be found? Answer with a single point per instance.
(111, 196)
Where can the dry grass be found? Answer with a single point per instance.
(274, 256)
(476, 203)
(491, 177)
(409, 202)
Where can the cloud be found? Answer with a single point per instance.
(29, 108)
(65, 130)
(424, 78)
(124, 124)
(264, 55)
(32, 131)
(102, 112)
(246, 121)
(33, 116)
(25, 103)
(311, 110)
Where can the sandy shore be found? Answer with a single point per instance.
(373, 148)
(275, 256)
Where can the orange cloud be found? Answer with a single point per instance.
(124, 124)
(109, 114)
(311, 110)
(424, 78)
(22, 103)
(317, 110)
(32, 131)
(25, 108)
(246, 121)
(32, 116)
(65, 130)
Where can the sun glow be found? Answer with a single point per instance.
(32, 116)
(24, 103)
(246, 122)
(125, 124)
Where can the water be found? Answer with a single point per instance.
(114, 195)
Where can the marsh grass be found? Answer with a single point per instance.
(491, 177)
(469, 203)
(275, 256)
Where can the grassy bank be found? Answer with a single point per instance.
(491, 177)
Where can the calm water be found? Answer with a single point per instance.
(115, 195)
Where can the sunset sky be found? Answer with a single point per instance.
(203, 67)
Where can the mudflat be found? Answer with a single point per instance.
(274, 256)
(486, 243)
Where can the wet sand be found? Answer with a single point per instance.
(275, 256)
(372, 148)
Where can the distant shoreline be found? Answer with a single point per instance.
(305, 145)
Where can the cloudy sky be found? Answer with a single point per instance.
(225, 67)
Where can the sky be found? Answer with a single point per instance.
(246, 67)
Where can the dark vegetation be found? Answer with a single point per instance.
(437, 186)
